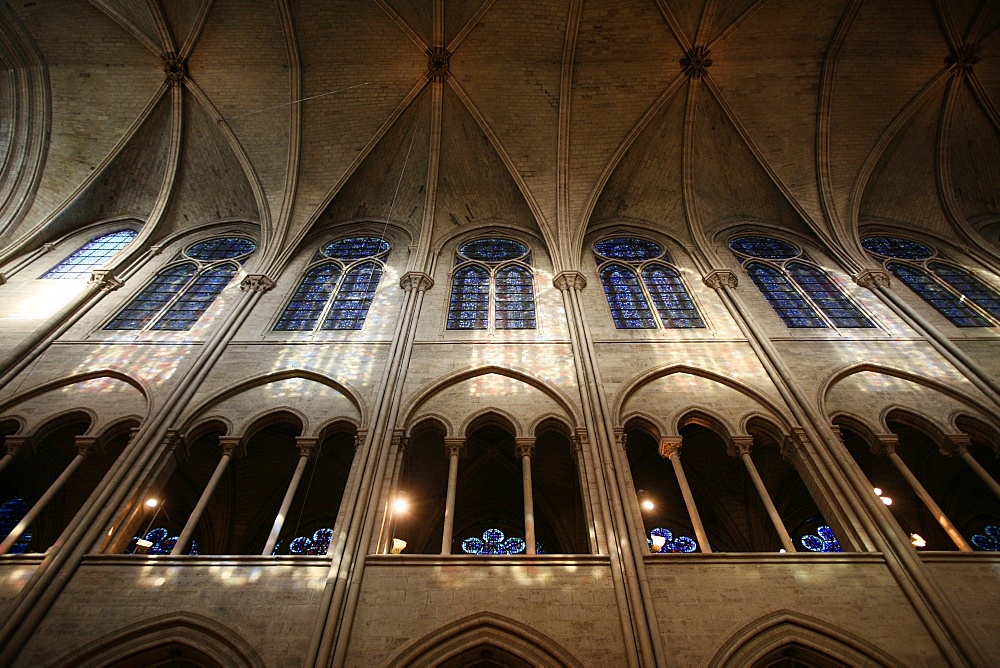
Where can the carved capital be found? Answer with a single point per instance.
(721, 278)
(359, 439)
(256, 283)
(175, 68)
(400, 442)
(438, 63)
(87, 445)
(872, 278)
(105, 280)
(670, 446)
(525, 446)
(885, 444)
(740, 445)
(956, 445)
(416, 280)
(566, 280)
(454, 447)
(695, 62)
(18, 445)
(307, 446)
(46, 247)
(173, 442)
(232, 446)
(621, 438)
(580, 439)
(794, 443)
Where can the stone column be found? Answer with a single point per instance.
(306, 446)
(15, 445)
(454, 447)
(887, 445)
(84, 446)
(670, 448)
(958, 444)
(525, 448)
(739, 446)
(231, 446)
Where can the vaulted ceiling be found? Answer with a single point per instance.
(557, 117)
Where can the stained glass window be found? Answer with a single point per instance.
(672, 544)
(162, 543)
(988, 540)
(349, 268)
(92, 255)
(621, 261)
(822, 541)
(13, 511)
(802, 294)
(178, 296)
(316, 545)
(493, 542)
(497, 272)
(952, 290)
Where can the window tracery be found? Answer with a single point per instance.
(349, 268)
(953, 291)
(620, 262)
(494, 541)
(492, 271)
(177, 297)
(161, 543)
(801, 293)
(92, 255)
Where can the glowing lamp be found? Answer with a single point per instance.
(877, 490)
(398, 546)
(916, 540)
(644, 501)
(401, 505)
(886, 500)
(648, 505)
(658, 542)
(152, 503)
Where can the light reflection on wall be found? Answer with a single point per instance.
(39, 300)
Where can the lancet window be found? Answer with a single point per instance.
(92, 255)
(338, 288)
(184, 289)
(492, 286)
(801, 293)
(644, 289)
(952, 290)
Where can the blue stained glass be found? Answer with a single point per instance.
(671, 300)
(153, 298)
(827, 296)
(515, 299)
(162, 543)
(354, 298)
(310, 298)
(13, 511)
(935, 294)
(93, 254)
(183, 313)
(901, 249)
(822, 541)
(628, 304)
(672, 544)
(989, 540)
(493, 542)
(356, 248)
(764, 247)
(790, 306)
(470, 298)
(317, 544)
(629, 249)
(222, 248)
(970, 286)
(493, 250)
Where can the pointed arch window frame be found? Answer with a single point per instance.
(182, 292)
(344, 268)
(976, 314)
(650, 313)
(784, 268)
(489, 271)
(69, 269)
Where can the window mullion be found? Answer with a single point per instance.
(344, 268)
(177, 295)
(640, 274)
(491, 304)
(962, 298)
(827, 320)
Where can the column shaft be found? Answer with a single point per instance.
(983, 474)
(449, 504)
(772, 512)
(932, 506)
(199, 509)
(39, 506)
(286, 503)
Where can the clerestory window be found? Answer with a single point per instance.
(184, 289)
(92, 255)
(801, 293)
(492, 286)
(952, 290)
(338, 288)
(637, 273)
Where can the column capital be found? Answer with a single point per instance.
(256, 283)
(454, 447)
(794, 443)
(173, 441)
(399, 440)
(621, 438)
(86, 445)
(307, 446)
(525, 446)
(359, 438)
(232, 446)
(670, 446)
(885, 444)
(580, 439)
(18, 445)
(721, 278)
(740, 445)
(105, 279)
(871, 279)
(955, 444)
(416, 280)
(48, 246)
(566, 280)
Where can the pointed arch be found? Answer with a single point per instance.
(485, 629)
(785, 628)
(208, 636)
